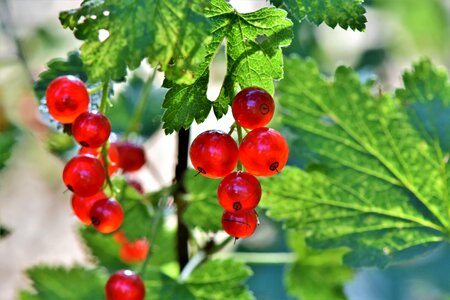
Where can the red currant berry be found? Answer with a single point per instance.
(67, 97)
(82, 205)
(106, 215)
(252, 107)
(113, 156)
(264, 152)
(125, 285)
(240, 225)
(131, 156)
(84, 175)
(91, 129)
(134, 252)
(239, 191)
(214, 153)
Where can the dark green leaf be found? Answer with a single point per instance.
(203, 211)
(103, 249)
(72, 65)
(426, 97)
(60, 283)
(184, 103)
(254, 58)
(170, 34)
(306, 278)
(345, 13)
(376, 185)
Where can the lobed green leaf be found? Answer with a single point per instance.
(170, 34)
(76, 283)
(345, 13)
(374, 184)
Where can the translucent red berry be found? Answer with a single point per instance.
(125, 285)
(81, 206)
(214, 153)
(264, 152)
(239, 191)
(240, 225)
(91, 129)
(106, 215)
(131, 156)
(252, 107)
(84, 175)
(67, 97)
(134, 252)
(113, 156)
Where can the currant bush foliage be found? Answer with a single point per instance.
(305, 278)
(61, 283)
(167, 33)
(374, 183)
(345, 13)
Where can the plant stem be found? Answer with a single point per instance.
(104, 102)
(239, 133)
(180, 191)
(104, 151)
(140, 106)
(95, 90)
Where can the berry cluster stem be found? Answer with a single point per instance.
(104, 103)
(239, 134)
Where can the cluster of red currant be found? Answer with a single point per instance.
(262, 152)
(85, 175)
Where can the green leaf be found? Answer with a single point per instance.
(170, 34)
(137, 221)
(8, 136)
(184, 103)
(345, 13)
(374, 184)
(220, 279)
(254, 58)
(426, 98)
(76, 283)
(123, 110)
(72, 65)
(104, 250)
(305, 278)
(203, 211)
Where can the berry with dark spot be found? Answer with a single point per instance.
(239, 191)
(264, 152)
(106, 215)
(91, 129)
(214, 153)
(253, 107)
(84, 175)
